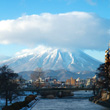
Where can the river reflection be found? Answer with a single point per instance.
(78, 102)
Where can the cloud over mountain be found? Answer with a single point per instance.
(75, 29)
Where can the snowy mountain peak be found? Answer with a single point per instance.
(51, 58)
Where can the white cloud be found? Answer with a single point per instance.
(74, 29)
(40, 49)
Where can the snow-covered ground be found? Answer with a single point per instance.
(20, 98)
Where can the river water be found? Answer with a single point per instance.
(78, 102)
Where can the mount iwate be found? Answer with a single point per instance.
(53, 60)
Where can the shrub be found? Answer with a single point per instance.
(30, 98)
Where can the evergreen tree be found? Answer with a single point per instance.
(103, 76)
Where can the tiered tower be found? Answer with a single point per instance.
(107, 54)
(107, 67)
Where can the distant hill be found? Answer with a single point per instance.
(61, 75)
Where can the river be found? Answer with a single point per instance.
(78, 102)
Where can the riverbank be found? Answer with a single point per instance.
(18, 99)
(99, 102)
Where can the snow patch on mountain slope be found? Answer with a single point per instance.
(51, 58)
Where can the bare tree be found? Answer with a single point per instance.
(37, 75)
(8, 84)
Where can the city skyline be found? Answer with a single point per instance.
(82, 24)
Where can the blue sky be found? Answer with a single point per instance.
(46, 13)
(12, 9)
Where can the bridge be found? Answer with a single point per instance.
(54, 89)
(59, 92)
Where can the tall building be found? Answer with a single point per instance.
(71, 81)
(107, 55)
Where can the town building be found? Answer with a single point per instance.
(89, 82)
(71, 82)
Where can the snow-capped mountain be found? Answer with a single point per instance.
(51, 59)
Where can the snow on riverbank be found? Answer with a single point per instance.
(18, 99)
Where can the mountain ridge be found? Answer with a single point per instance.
(51, 59)
(61, 75)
